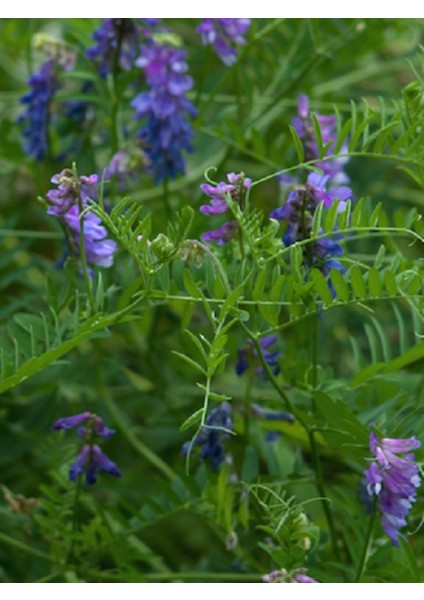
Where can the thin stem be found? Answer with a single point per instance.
(165, 187)
(319, 482)
(74, 519)
(269, 373)
(83, 257)
(184, 576)
(25, 548)
(246, 403)
(133, 440)
(315, 318)
(368, 540)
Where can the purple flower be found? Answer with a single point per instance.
(299, 577)
(248, 355)
(91, 460)
(223, 234)
(65, 204)
(272, 415)
(213, 436)
(117, 42)
(236, 190)
(394, 478)
(166, 109)
(71, 422)
(298, 211)
(223, 34)
(282, 576)
(127, 166)
(35, 118)
(328, 124)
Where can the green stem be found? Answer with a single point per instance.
(133, 440)
(368, 540)
(314, 353)
(74, 519)
(168, 208)
(83, 257)
(188, 576)
(319, 482)
(25, 548)
(269, 373)
(246, 403)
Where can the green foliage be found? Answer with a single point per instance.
(151, 344)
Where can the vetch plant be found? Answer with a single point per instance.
(240, 293)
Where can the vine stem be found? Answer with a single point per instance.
(265, 366)
(119, 418)
(74, 519)
(189, 576)
(368, 540)
(83, 257)
(320, 485)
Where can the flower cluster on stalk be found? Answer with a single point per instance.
(282, 576)
(393, 478)
(212, 438)
(91, 459)
(35, 119)
(117, 43)
(224, 35)
(44, 84)
(248, 357)
(302, 200)
(67, 203)
(165, 109)
(219, 195)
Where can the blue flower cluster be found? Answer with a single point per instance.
(303, 199)
(213, 436)
(91, 459)
(393, 477)
(35, 119)
(236, 190)
(248, 356)
(117, 43)
(222, 34)
(166, 109)
(65, 203)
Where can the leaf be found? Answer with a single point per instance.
(375, 284)
(358, 283)
(297, 144)
(367, 373)
(339, 284)
(140, 383)
(189, 361)
(340, 416)
(193, 419)
(321, 286)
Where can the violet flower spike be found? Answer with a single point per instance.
(116, 40)
(212, 440)
(91, 460)
(282, 576)
(224, 35)
(70, 422)
(236, 188)
(35, 118)
(248, 353)
(167, 131)
(393, 478)
(65, 205)
(304, 127)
